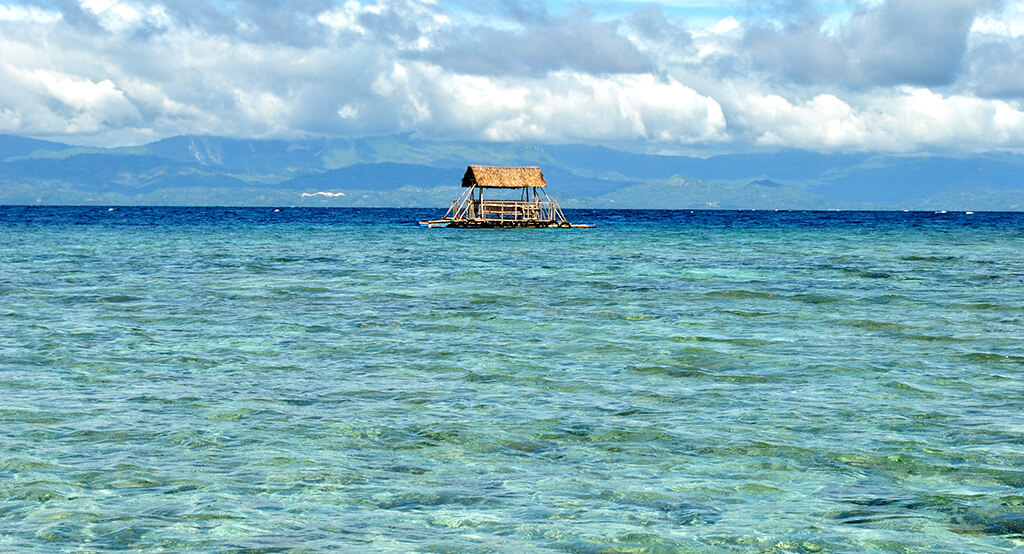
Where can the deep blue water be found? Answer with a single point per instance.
(215, 379)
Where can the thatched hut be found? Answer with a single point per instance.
(533, 208)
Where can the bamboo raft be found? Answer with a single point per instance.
(533, 208)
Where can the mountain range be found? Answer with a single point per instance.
(401, 170)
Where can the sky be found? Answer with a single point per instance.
(887, 76)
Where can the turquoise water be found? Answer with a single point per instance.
(214, 380)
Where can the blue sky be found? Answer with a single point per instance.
(893, 76)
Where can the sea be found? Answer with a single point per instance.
(299, 379)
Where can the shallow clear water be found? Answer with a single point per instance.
(217, 379)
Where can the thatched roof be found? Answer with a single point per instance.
(489, 176)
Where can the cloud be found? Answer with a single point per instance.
(558, 107)
(28, 14)
(911, 120)
(898, 42)
(995, 69)
(997, 54)
(369, 73)
(893, 75)
(122, 17)
(401, 25)
(58, 102)
(657, 37)
(572, 42)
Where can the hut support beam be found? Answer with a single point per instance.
(460, 207)
(533, 209)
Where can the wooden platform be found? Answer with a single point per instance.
(502, 224)
(534, 209)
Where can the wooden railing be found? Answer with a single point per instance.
(508, 209)
(513, 210)
(468, 208)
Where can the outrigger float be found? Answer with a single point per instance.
(533, 209)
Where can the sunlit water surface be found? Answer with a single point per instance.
(252, 379)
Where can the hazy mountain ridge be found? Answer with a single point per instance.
(403, 171)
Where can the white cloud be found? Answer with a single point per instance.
(118, 16)
(1008, 23)
(824, 121)
(133, 70)
(9, 119)
(560, 107)
(912, 120)
(263, 107)
(27, 14)
(724, 26)
(50, 101)
(78, 93)
(344, 18)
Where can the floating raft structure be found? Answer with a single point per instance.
(533, 209)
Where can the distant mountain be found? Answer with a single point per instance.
(400, 170)
(376, 177)
(15, 147)
(682, 192)
(898, 180)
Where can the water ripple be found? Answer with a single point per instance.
(250, 380)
